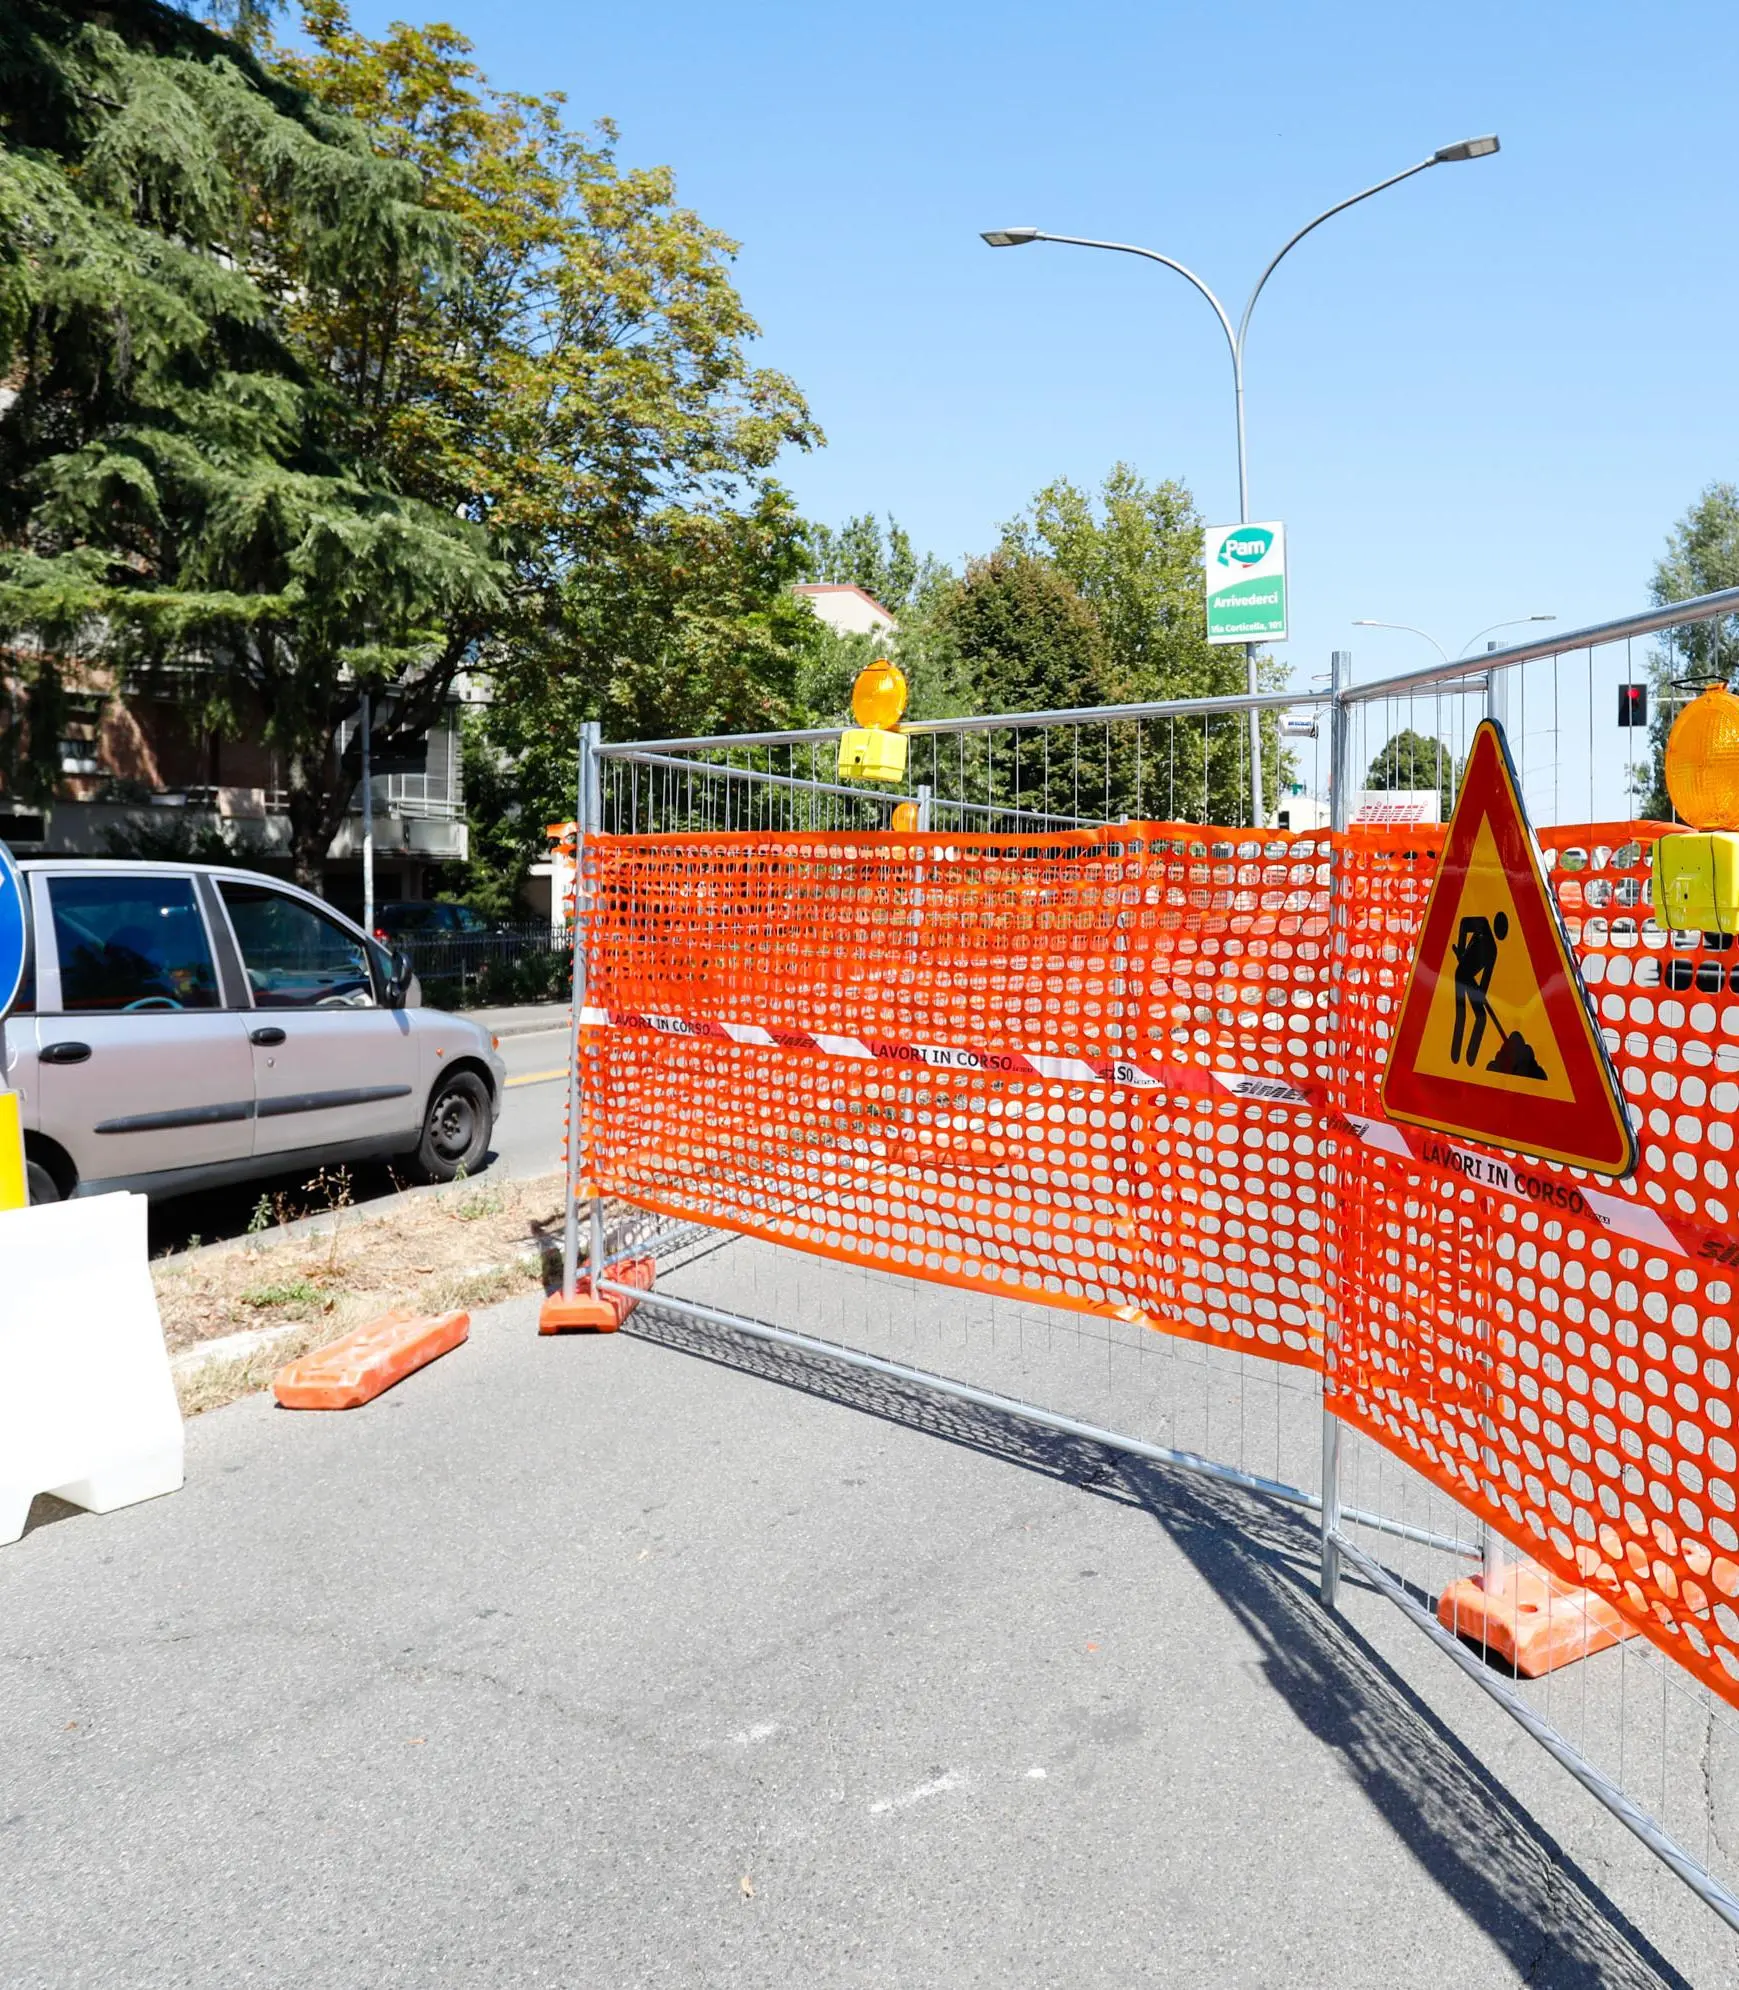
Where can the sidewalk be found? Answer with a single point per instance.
(524, 1019)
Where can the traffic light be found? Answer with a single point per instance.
(1633, 704)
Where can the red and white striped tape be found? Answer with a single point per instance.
(1551, 1192)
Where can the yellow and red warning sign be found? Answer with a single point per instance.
(1496, 1039)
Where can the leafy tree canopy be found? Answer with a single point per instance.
(581, 389)
(581, 385)
(886, 566)
(1413, 760)
(337, 369)
(1133, 551)
(1701, 557)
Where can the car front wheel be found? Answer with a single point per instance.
(456, 1128)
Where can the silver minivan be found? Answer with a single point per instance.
(185, 1025)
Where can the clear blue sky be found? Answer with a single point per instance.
(1488, 392)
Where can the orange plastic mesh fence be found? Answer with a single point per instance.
(1113, 1070)
(1563, 1361)
(933, 1083)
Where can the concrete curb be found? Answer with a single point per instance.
(228, 1347)
(325, 1221)
(195, 1360)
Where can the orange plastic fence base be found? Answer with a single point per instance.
(601, 1312)
(1531, 1618)
(362, 1365)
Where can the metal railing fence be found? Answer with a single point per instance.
(1655, 1746)
(456, 968)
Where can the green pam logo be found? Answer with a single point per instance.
(1248, 545)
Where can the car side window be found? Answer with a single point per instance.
(293, 956)
(131, 943)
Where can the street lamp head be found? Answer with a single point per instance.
(1010, 238)
(1469, 148)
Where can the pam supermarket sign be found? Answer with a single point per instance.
(1245, 569)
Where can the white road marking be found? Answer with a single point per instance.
(935, 1789)
(750, 1735)
(1035, 1774)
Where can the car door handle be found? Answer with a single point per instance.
(266, 1037)
(63, 1053)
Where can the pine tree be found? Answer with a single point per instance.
(183, 500)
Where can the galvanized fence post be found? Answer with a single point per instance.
(586, 823)
(1493, 1549)
(1340, 775)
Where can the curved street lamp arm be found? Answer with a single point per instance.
(1153, 256)
(1409, 629)
(1515, 622)
(1327, 214)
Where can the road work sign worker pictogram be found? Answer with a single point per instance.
(1496, 1039)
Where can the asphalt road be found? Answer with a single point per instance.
(528, 1137)
(658, 1660)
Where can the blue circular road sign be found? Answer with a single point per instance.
(14, 938)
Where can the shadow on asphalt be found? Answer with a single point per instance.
(45, 1510)
(1467, 1833)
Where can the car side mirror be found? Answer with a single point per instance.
(395, 973)
(398, 985)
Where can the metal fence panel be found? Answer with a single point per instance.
(1512, 1355)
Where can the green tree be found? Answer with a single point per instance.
(1412, 760)
(1025, 637)
(707, 635)
(1134, 553)
(1015, 635)
(885, 565)
(1702, 556)
(913, 588)
(181, 497)
(580, 386)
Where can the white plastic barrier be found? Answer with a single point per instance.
(87, 1406)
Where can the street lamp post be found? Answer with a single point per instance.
(1013, 238)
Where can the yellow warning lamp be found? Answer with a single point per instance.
(872, 749)
(905, 817)
(1696, 872)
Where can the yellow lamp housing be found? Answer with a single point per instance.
(870, 754)
(1695, 882)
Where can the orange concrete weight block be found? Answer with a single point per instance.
(1531, 1618)
(356, 1369)
(602, 1312)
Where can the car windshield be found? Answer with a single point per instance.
(409, 918)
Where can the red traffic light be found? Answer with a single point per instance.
(1633, 704)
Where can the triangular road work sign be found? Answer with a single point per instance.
(1496, 1038)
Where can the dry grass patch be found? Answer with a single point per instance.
(468, 1247)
